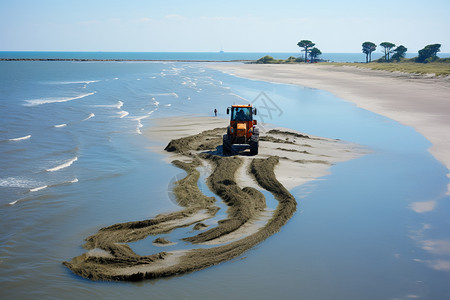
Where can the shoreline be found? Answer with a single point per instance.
(418, 101)
(124, 59)
(248, 220)
(290, 175)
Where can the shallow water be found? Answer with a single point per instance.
(73, 160)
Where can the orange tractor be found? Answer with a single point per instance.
(242, 130)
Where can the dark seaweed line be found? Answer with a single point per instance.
(243, 205)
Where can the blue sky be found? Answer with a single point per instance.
(239, 26)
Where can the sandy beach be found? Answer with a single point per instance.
(414, 100)
(286, 159)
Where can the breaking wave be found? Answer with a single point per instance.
(38, 188)
(75, 82)
(41, 101)
(139, 125)
(20, 138)
(123, 113)
(118, 105)
(173, 94)
(60, 125)
(31, 190)
(64, 165)
(91, 115)
(156, 103)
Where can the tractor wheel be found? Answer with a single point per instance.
(226, 147)
(254, 144)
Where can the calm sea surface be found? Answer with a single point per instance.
(73, 159)
(210, 56)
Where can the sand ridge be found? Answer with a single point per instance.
(109, 256)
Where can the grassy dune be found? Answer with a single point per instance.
(438, 69)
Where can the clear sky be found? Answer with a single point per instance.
(204, 26)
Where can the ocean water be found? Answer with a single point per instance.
(73, 159)
(209, 56)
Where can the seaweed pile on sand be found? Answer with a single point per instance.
(109, 257)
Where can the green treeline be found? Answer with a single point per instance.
(392, 53)
(426, 55)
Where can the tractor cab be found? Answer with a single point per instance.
(241, 113)
(242, 129)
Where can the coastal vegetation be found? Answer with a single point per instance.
(308, 48)
(387, 46)
(441, 68)
(427, 61)
(270, 60)
(429, 53)
(399, 53)
(306, 45)
(367, 49)
(314, 53)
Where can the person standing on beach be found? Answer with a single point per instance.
(215, 112)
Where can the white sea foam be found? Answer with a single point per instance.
(60, 125)
(12, 203)
(41, 101)
(138, 128)
(18, 182)
(116, 78)
(65, 182)
(118, 105)
(141, 118)
(139, 125)
(123, 114)
(169, 104)
(38, 188)
(75, 82)
(173, 94)
(64, 165)
(91, 115)
(20, 138)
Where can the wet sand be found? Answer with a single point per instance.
(420, 101)
(286, 158)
